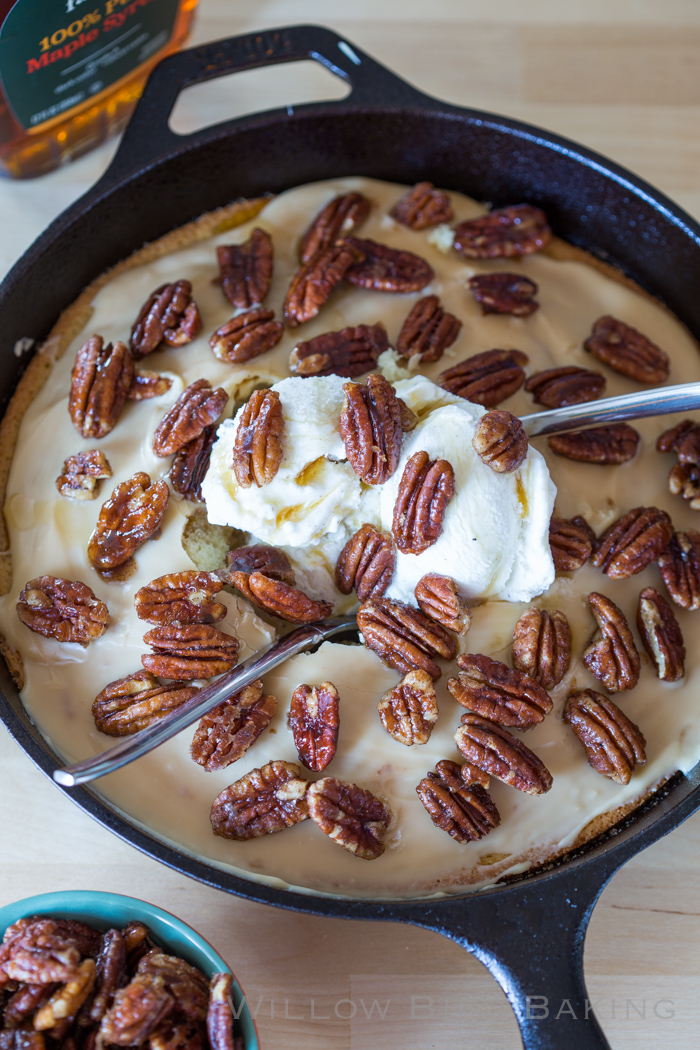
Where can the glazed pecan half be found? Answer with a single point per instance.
(100, 381)
(632, 542)
(366, 563)
(437, 596)
(228, 730)
(146, 385)
(425, 489)
(422, 206)
(45, 951)
(351, 816)
(350, 352)
(258, 558)
(187, 651)
(127, 519)
(627, 351)
(197, 407)
(82, 473)
(371, 429)
(66, 610)
(427, 331)
(661, 635)
(499, 693)
(571, 542)
(130, 704)
(500, 441)
(611, 655)
(542, 646)
(58, 1013)
(314, 719)
(518, 229)
(335, 220)
(263, 802)
(278, 598)
(504, 293)
(180, 597)
(491, 747)
(246, 269)
(385, 269)
(220, 1016)
(614, 745)
(684, 480)
(568, 385)
(610, 445)
(257, 449)
(409, 711)
(246, 336)
(465, 811)
(190, 465)
(169, 315)
(683, 439)
(679, 565)
(312, 285)
(404, 637)
(487, 378)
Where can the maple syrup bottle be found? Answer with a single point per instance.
(71, 71)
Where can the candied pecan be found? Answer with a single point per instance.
(425, 489)
(661, 635)
(683, 439)
(23, 1003)
(111, 972)
(370, 426)
(464, 811)
(66, 610)
(427, 331)
(571, 542)
(409, 711)
(632, 542)
(169, 315)
(350, 815)
(542, 646)
(228, 730)
(279, 598)
(270, 561)
(568, 385)
(367, 563)
(191, 464)
(679, 565)
(684, 480)
(130, 704)
(438, 598)
(187, 651)
(491, 747)
(196, 408)
(312, 285)
(487, 378)
(65, 1002)
(100, 381)
(22, 1039)
(136, 1011)
(404, 637)
(257, 449)
(180, 597)
(611, 655)
(220, 1012)
(188, 986)
(422, 206)
(44, 951)
(350, 352)
(246, 336)
(339, 217)
(518, 229)
(262, 802)
(314, 719)
(504, 293)
(614, 745)
(627, 351)
(616, 443)
(82, 474)
(500, 441)
(502, 694)
(146, 385)
(127, 519)
(246, 269)
(385, 269)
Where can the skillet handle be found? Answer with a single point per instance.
(148, 136)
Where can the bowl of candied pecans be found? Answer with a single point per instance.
(80, 968)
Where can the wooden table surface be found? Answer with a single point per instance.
(624, 79)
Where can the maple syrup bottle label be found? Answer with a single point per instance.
(57, 54)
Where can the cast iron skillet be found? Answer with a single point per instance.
(529, 933)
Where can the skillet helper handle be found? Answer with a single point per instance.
(148, 136)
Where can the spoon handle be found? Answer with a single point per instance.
(656, 402)
(141, 743)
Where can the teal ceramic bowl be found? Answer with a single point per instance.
(103, 910)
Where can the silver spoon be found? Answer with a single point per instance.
(657, 402)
